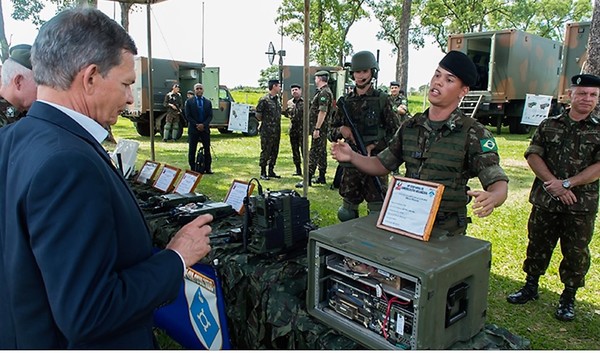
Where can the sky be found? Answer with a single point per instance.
(236, 37)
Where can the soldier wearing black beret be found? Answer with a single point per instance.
(18, 90)
(444, 146)
(564, 154)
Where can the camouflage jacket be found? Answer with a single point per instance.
(321, 102)
(295, 111)
(372, 115)
(567, 147)
(449, 152)
(270, 109)
(175, 99)
(8, 113)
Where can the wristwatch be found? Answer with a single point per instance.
(566, 184)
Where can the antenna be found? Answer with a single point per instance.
(271, 53)
(202, 33)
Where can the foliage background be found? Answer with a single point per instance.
(236, 157)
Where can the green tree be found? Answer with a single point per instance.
(267, 74)
(329, 24)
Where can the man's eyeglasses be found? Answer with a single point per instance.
(197, 88)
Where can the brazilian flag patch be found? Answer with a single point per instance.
(488, 145)
(323, 99)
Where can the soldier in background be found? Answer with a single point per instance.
(173, 103)
(295, 111)
(444, 146)
(268, 112)
(372, 114)
(564, 154)
(18, 90)
(321, 109)
(399, 102)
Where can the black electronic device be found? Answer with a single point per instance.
(389, 291)
(186, 213)
(279, 221)
(163, 203)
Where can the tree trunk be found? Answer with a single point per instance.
(3, 42)
(402, 59)
(593, 62)
(125, 7)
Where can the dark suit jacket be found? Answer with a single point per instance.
(192, 114)
(76, 262)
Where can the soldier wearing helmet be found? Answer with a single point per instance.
(444, 146)
(371, 112)
(18, 90)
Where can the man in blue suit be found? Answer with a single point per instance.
(199, 114)
(77, 269)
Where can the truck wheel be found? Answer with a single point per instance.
(224, 130)
(142, 128)
(252, 126)
(515, 126)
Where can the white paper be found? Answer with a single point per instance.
(409, 207)
(186, 184)
(165, 179)
(238, 117)
(147, 171)
(536, 109)
(236, 195)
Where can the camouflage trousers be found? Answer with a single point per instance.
(356, 187)
(317, 157)
(172, 117)
(269, 148)
(575, 233)
(296, 144)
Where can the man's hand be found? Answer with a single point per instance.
(555, 188)
(200, 127)
(316, 134)
(192, 241)
(347, 133)
(402, 109)
(484, 202)
(341, 151)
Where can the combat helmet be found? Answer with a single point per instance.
(364, 60)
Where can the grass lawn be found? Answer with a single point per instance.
(236, 157)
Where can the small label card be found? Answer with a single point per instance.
(166, 179)
(148, 172)
(236, 194)
(188, 182)
(410, 207)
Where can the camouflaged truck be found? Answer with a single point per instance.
(510, 65)
(168, 72)
(574, 57)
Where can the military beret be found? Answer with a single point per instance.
(295, 85)
(274, 81)
(461, 66)
(190, 92)
(21, 53)
(322, 73)
(586, 80)
(395, 83)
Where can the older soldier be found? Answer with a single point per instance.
(173, 103)
(444, 146)
(375, 122)
(18, 90)
(399, 102)
(268, 112)
(564, 154)
(295, 111)
(321, 109)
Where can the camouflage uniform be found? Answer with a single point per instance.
(172, 118)
(567, 147)
(296, 114)
(321, 102)
(270, 129)
(448, 152)
(396, 101)
(376, 122)
(8, 113)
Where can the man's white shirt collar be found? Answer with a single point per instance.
(96, 130)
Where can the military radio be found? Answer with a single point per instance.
(278, 221)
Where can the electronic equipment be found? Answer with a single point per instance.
(279, 220)
(162, 203)
(389, 291)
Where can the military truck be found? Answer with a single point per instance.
(295, 74)
(510, 64)
(167, 72)
(574, 57)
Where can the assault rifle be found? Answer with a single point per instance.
(362, 149)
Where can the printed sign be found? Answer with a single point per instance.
(238, 117)
(537, 108)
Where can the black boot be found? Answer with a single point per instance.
(263, 173)
(566, 305)
(320, 179)
(301, 184)
(527, 293)
(298, 170)
(272, 173)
